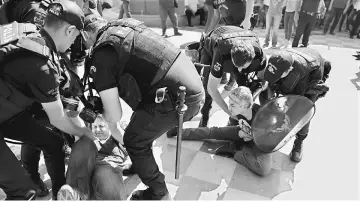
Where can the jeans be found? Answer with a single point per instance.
(125, 9)
(150, 120)
(272, 24)
(288, 24)
(335, 15)
(97, 176)
(355, 24)
(343, 17)
(27, 129)
(171, 12)
(249, 156)
(306, 24)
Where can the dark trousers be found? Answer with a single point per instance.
(355, 24)
(234, 14)
(27, 129)
(305, 26)
(343, 17)
(125, 9)
(171, 12)
(30, 157)
(334, 17)
(150, 121)
(189, 14)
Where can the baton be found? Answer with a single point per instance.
(201, 65)
(181, 109)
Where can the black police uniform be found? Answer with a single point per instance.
(308, 74)
(130, 56)
(39, 81)
(34, 11)
(218, 56)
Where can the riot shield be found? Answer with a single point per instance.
(279, 120)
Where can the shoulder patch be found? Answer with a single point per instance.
(217, 66)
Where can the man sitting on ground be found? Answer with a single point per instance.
(242, 148)
(107, 164)
(191, 10)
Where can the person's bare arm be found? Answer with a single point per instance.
(249, 11)
(213, 91)
(60, 120)
(112, 111)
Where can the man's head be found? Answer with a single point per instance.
(240, 100)
(100, 128)
(242, 54)
(93, 24)
(279, 66)
(64, 22)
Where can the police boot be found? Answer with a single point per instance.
(297, 151)
(172, 132)
(148, 194)
(29, 196)
(177, 33)
(41, 188)
(204, 120)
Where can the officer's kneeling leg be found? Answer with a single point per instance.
(255, 160)
(107, 183)
(81, 165)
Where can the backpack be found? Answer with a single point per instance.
(17, 38)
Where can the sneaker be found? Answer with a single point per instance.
(67, 193)
(297, 151)
(147, 194)
(265, 45)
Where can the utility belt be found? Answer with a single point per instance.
(166, 101)
(309, 13)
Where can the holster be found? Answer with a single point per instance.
(164, 101)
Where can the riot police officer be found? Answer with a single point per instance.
(228, 49)
(297, 71)
(38, 83)
(30, 11)
(130, 61)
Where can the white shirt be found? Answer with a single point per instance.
(267, 2)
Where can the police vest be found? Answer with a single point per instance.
(7, 11)
(225, 37)
(306, 60)
(146, 56)
(17, 38)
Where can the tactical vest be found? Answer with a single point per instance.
(306, 60)
(17, 38)
(225, 36)
(146, 56)
(8, 9)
